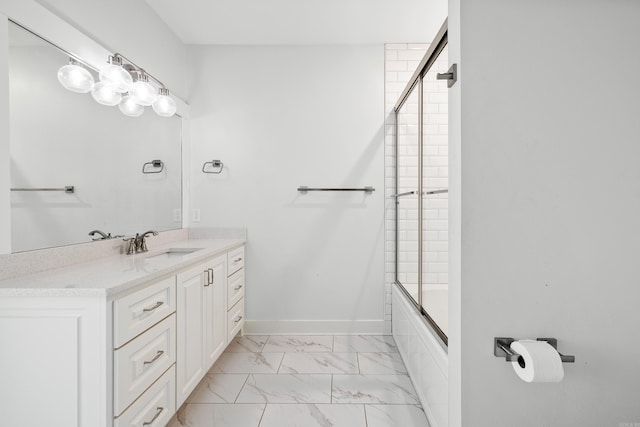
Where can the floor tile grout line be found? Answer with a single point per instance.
(331, 391)
(241, 388)
(262, 416)
(366, 421)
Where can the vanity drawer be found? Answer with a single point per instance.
(137, 312)
(235, 288)
(140, 362)
(235, 319)
(155, 407)
(235, 260)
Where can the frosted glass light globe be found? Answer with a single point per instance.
(142, 92)
(105, 95)
(116, 77)
(164, 105)
(75, 78)
(130, 108)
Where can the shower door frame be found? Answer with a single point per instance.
(416, 83)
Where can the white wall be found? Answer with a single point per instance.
(280, 117)
(133, 29)
(550, 189)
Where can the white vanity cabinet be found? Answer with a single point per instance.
(201, 322)
(235, 292)
(100, 357)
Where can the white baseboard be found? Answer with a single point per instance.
(317, 327)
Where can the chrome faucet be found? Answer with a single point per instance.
(103, 236)
(139, 243)
(141, 240)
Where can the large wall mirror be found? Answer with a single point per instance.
(60, 138)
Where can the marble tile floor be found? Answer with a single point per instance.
(305, 381)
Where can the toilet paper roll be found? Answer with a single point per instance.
(540, 362)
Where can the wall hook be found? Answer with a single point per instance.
(215, 164)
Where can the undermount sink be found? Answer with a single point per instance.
(172, 253)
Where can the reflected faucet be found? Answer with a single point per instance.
(103, 236)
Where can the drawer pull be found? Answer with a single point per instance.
(237, 288)
(237, 260)
(153, 307)
(155, 417)
(209, 272)
(156, 357)
(238, 319)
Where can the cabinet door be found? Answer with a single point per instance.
(190, 362)
(215, 310)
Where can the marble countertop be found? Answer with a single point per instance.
(114, 274)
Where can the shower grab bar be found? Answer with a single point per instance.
(424, 193)
(304, 189)
(69, 189)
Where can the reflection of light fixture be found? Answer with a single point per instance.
(75, 77)
(116, 77)
(141, 91)
(164, 105)
(129, 107)
(105, 95)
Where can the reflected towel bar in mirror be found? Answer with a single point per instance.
(155, 164)
(69, 189)
(304, 189)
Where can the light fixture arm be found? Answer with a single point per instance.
(137, 69)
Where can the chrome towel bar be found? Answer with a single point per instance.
(69, 189)
(304, 189)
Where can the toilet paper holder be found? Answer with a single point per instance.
(501, 348)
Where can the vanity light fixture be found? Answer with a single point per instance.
(122, 83)
(141, 90)
(164, 105)
(104, 95)
(129, 107)
(115, 76)
(75, 77)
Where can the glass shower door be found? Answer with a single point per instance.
(407, 201)
(422, 208)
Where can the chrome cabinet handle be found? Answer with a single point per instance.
(208, 280)
(213, 276)
(237, 288)
(155, 417)
(156, 357)
(238, 319)
(237, 260)
(153, 307)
